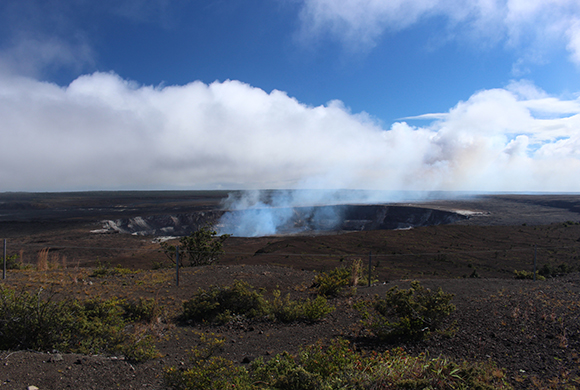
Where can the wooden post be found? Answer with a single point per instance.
(177, 265)
(535, 260)
(370, 266)
(4, 269)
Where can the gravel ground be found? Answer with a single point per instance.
(529, 328)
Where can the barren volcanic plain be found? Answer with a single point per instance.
(529, 328)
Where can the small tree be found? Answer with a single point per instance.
(202, 247)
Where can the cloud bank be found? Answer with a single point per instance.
(104, 132)
(532, 27)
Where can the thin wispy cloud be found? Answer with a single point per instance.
(528, 27)
(33, 57)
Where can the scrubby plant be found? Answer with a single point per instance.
(562, 269)
(283, 371)
(527, 275)
(332, 283)
(206, 370)
(29, 322)
(157, 265)
(104, 270)
(222, 304)
(288, 310)
(335, 366)
(329, 360)
(142, 310)
(201, 247)
(32, 321)
(410, 313)
(12, 262)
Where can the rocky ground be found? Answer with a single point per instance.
(530, 329)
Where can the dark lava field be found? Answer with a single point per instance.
(469, 246)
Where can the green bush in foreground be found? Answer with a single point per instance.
(411, 313)
(207, 371)
(30, 321)
(222, 304)
(336, 366)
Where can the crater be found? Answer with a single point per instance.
(255, 222)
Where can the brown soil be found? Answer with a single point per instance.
(529, 328)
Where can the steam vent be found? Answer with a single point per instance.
(287, 220)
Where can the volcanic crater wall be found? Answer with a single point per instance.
(285, 220)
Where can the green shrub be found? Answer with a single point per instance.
(332, 283)
(142, 310)
(102, 326)
(241, 300)
(527, 275)
(562, 269)
(104, 270)
(336, 366)
(283, 372)
(411, 313)
(157, 265)
(30, 321)
(287, 310)
(329, 361)
(139, 348)
(207, 371)
(11, 262)
(222, 304)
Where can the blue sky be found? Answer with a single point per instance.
(397, 95)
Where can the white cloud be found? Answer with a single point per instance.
(528, 26)
(573, 34)
(103, 132)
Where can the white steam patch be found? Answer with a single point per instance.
(265, 213)
(103, 132)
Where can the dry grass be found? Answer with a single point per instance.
(356, 271)
(42, 259)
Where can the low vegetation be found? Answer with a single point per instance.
(333, 366)
(411, 313)
(549, 271)
(523, 274)
(38, 322)
(12, 262)
(222, 304)
(335, 282)
(104, 270)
